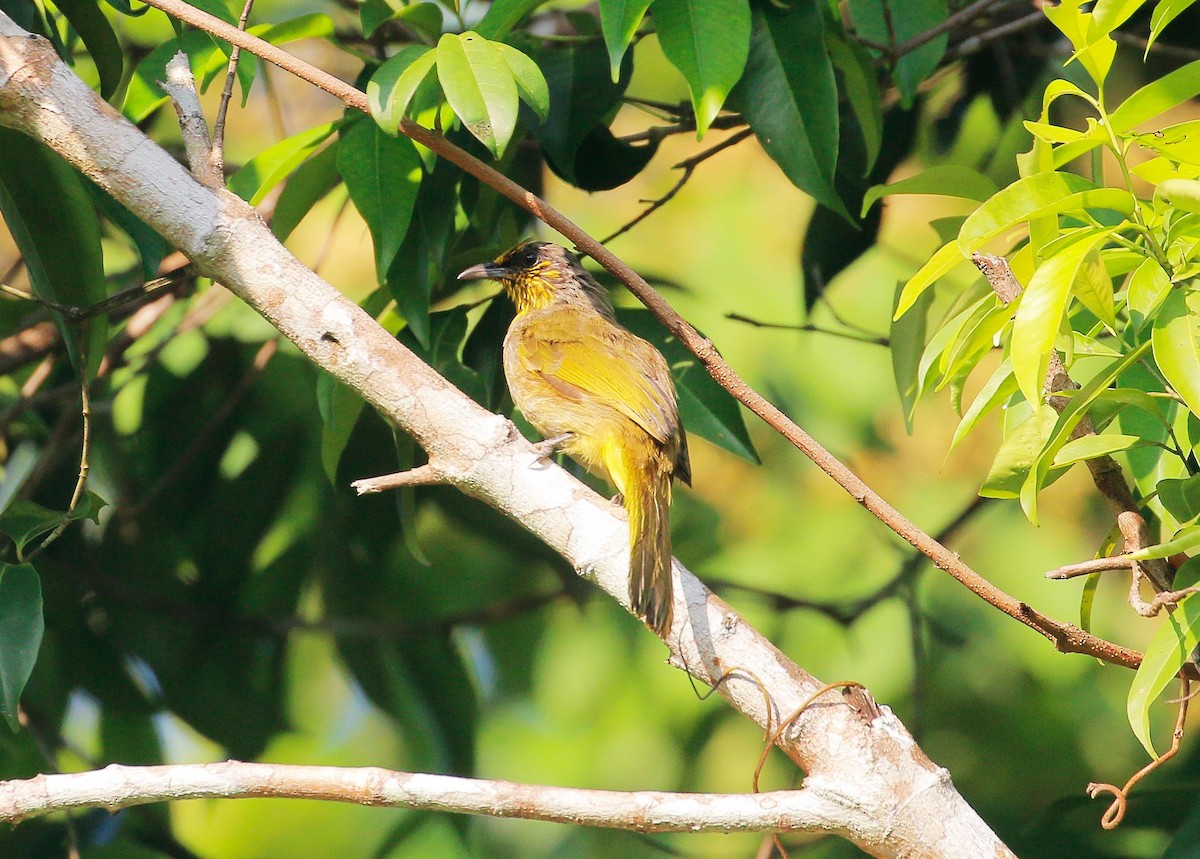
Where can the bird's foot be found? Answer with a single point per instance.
(546, 448)
(617, 500)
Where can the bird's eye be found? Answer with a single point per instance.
(529, 256)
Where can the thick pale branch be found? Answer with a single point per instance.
(116, 787)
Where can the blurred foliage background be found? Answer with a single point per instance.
(234, 599)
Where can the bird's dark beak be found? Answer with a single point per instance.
(483, 271)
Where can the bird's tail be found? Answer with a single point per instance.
(648, 501)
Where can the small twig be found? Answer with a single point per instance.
(688, 166)
(858, 337)
(181, 87)
(216, 155)
(1086, 568)
(84, 457)
(1116, 812)
(972, 44)
(422, 475)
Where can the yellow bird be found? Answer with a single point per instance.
(600, 394)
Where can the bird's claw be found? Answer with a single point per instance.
(546, 448)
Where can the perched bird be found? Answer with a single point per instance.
(600, 394)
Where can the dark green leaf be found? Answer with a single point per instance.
(576, 141)
(21, 628)
(789, 96)
(339, 406)
(708, 41)
(150, 245)
(619, 20)
(897, 24)
(705, 408)
(424, 18)
(503, 15)
(862, 92)
(98, 36)
(1181, 497)
(308, 184)
(418, 264)
(907, 339)
(26, 520)
(382, 174)
(53, 221)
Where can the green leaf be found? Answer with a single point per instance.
(531, 83)
(896, 24)
(339, 406)
(938, 266)
(1167, 652)
(947, 180)
(1018, 454)
(861, 84)
(708, 41)
(998, 389)
(1179, 194)
(1176, 339)
(1076, 408)
(1149, 287)
(26, 520)
(1157, 97)
(259, 176)
(575, 136)
(705, 408)
(1164, 13)
(480, 87)
(1185, 540)
(143, 95)
(1043, 305)
(308, 184)
(619, 20)
(907, 339)
(382, 174)
(503, 15)
(425, 18)
(21, 628)
(1093, 48)
(1181, 497)
(789, 96)
(53, 222)
(1094, 446)
(1036, 196)
(100, 40)
(392, 87)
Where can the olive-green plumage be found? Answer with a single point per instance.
(574, 372)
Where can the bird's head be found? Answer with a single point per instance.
(539, 274)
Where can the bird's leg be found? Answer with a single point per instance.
(547, 447)
(617, 500)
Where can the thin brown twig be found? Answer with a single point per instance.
(1066, 637)
(1116, 812)
(84, 458)
(1087, 568)
(216, 155)
(856, 336)
(972, 44)
(688, 166)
